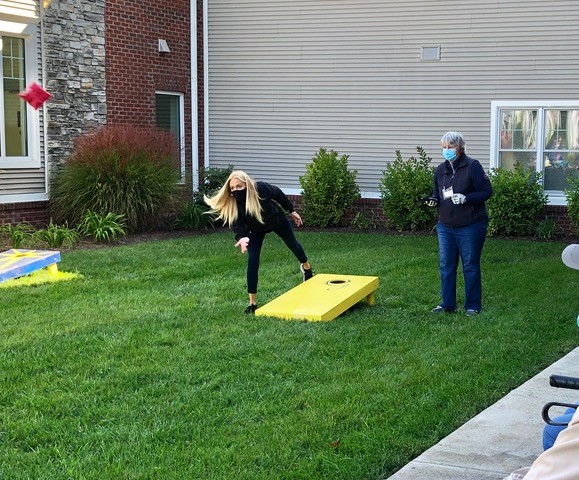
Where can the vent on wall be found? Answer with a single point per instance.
(430, 53)
(163, 47)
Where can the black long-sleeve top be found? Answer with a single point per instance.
(271, 198)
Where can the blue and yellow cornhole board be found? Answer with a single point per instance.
(16, 263)
(322, 298)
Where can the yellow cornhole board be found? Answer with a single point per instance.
(322, 298)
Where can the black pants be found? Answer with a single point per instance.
(285, 232)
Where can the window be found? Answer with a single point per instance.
(19, 123)
(540, 137)
(169, 114)
(13, 82)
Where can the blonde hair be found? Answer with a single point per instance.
(223, 203)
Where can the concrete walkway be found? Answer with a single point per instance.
(504, 437)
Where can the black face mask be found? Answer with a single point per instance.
(240, 195)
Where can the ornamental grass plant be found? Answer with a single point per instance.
(119, 169)
(145, 367)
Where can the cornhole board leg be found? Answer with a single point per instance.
(322, 298)
(52, 269)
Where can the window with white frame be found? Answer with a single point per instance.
(169, 115)
(19, 123)
(543, 137)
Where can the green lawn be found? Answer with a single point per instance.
(144, 367)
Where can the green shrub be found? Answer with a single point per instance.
(18, 235)
(213, 179)
(403, 185)
(518, 202)
(127, 170)
(55, 236)
(103, 228)
(194, 216)
(363, 222)
(572, 195)
(548, 229)
(329, 189)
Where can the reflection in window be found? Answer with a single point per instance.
(169, 116)
(14, 132)
(561, 153)
(518, 131)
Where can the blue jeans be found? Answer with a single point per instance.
(465, 243)
(551, 432)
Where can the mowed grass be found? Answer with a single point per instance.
(144, 367)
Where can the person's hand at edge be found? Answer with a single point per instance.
(243, 243)
(297, 219)
(430, 201)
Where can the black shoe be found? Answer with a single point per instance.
(441, 309)
(306, 273)
(250, 310)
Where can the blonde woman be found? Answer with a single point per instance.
(254, 209)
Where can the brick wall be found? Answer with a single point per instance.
(559, 214)
(135, 68)
(372, 210)
(35, 213)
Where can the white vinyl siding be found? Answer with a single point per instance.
(286, 77)
(25, 11)
(16, 183)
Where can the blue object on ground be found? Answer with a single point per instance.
(16, 262)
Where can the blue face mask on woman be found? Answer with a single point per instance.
(449, 153)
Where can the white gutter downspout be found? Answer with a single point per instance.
(205, 86)
(194, 98)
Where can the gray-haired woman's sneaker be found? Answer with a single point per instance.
(441, 309)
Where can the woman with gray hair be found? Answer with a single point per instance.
(461, 188)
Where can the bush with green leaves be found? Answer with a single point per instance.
(329, 189)
(56, 236)
(124, 169)
(194, 216)
(572, 195)
(518, 202)
(403, 185)
(548, 229)
(18, 235)
(362, 221)
(103, 228)
(213, 178)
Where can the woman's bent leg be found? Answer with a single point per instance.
(285, 232)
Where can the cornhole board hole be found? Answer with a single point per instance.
(16, 263)
(322, 298)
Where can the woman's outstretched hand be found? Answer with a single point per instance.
(243, 243)
(297, 219)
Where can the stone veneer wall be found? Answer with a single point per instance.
(74, 72)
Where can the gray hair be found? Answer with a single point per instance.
(454, 139)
